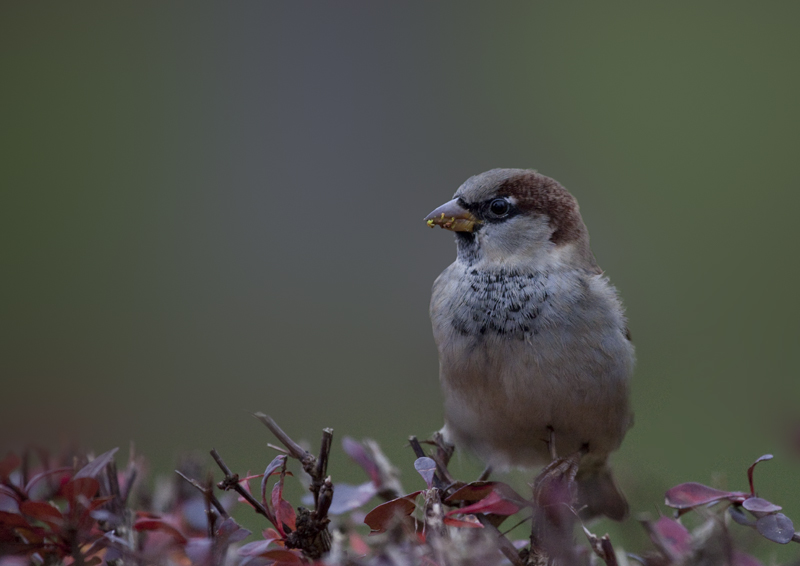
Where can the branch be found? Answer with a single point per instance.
(207, 493)
(231, 481)
(505, 545)
(295, 450)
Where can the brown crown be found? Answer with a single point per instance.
(539, 194)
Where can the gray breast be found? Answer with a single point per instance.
(504, 303)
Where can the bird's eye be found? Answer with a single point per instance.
(499, 207)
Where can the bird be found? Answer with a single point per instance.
(535, 356)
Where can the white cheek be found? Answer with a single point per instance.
(518, 243)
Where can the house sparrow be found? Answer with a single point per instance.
(533, 344)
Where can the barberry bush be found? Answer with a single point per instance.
(85, 511)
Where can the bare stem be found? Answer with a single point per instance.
(295, 450)
(231, 481)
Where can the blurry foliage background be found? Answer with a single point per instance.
(209, 210)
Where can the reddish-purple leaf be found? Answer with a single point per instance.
(474, 491)
(284, 512)
(275, 467)
(426, 468)
(776, 527)
(12, 520)
(358, 544)
(740, 516)
(493, 503)
(671, 537)
(282, 557)
(758, 505)
(271, 535)
(41, 511)
(76, 487)
(360, 456)
(348, 497)
(232, 531)
(256, 548)
(688, 495)
(8, 464)
(477, 490)
(199, 551)
(467, 521)
(38, 477)
(96, 466)
(763, 458)
(384, 515)
(156, 524)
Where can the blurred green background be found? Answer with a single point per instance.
(209, 210)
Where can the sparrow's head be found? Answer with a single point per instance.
(515, 219)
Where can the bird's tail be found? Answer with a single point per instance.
(599, 495)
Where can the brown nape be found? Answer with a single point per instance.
(537, 193)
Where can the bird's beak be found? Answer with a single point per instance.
(453, 216)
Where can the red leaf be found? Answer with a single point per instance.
(199, 551)
(281, 557)
(284, 513)
(245, 483)
(41, 511)
(492, 503)
(278, 462)
(477, 490)
(384, 515)
(271, 535)
(12, 520)
(277, 465)
(231, 531)
(474, 491)
(426, 468)
(776, 527)
(740, 516)
(358, 545)
(671, 537)
(360, 456)
(758, 505)
(99, 502)
(255, 548)
(468, 521)
(153, 524)
(752, 467)
(688, 495)
(38, 477)
(96, 466)
(8, 464)
(76, 487)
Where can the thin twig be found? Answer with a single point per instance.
(210, 495)
(312, 535)
(505, 545)
(231, 481)
(319, 477)
(416, 447)
(295, 450)
(278, 448)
